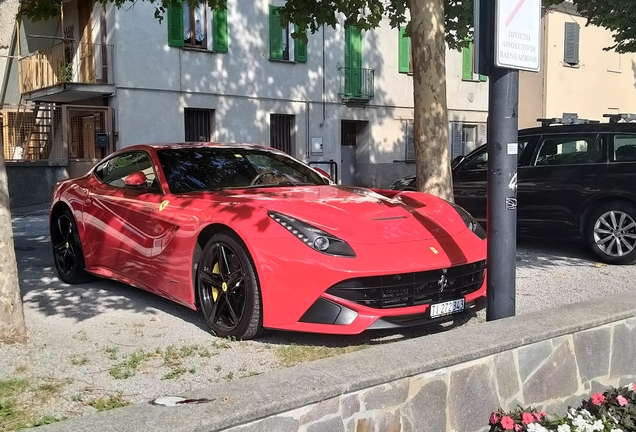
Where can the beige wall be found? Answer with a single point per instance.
(603, 82)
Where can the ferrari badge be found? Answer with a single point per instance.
(163, 205)
(435, 251)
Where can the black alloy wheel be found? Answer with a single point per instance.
(67, 249)
(228, 289)
(611, 232)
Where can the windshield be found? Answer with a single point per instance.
(214, 168)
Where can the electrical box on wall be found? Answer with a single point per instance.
(316, 146)
(102, 140)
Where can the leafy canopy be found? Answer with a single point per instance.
(618, 16)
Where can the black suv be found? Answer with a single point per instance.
(574, 175)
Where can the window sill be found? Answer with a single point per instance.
(614, 71)
(284, 61)
(203, 50)
(571, 66)
(408, 161)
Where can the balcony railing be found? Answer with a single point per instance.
(356, 84)
(66, 62)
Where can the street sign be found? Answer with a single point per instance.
(518, 34)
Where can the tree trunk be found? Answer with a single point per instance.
(432, 158)
(12, 326)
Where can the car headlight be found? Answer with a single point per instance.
(313, 237)
(470, 221)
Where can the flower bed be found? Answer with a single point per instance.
(611, 411)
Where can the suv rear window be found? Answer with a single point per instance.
(624, 148)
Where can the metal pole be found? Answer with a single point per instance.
(502, 192)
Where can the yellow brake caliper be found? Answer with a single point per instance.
(215, 291)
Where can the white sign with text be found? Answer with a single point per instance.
(518, 34)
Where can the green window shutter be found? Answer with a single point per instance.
(483, 78)
(175, 26)
(219, 22)
(467, 62)
(300, 48)
(275, 34)
(404, 52)
(353, 60)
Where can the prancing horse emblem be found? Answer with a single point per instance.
(442, 283)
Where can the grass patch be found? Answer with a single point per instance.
(19, 399)
(177, 372)
(294, 354)
(79, 361)
(128, 367)
(20, 369)
(109, 403)
(111, 352)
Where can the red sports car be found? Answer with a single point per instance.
(256, 239)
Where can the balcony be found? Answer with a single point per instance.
(356, 85)
(67, 72)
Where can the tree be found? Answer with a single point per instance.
(12, 326)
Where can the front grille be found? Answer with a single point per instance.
(412, 289)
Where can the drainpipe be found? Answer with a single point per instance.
(323, 77)
(308, 139)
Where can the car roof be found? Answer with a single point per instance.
(194, 144)
(576, 128)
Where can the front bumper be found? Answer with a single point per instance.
(296, 282)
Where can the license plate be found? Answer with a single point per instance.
(447, 308)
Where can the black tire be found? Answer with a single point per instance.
(611, 232)
(68, 254)
(228, 289)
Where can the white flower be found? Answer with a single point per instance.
(535, 427)
(565, 428)
(598, 426)
(616, 430)
(630, 387)
(586, 413)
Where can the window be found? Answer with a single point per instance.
(569, 150)
(198, 124)
(466, 137)
(468, 73)
(624, 148)
(571, 46)
(410, 143)
(281, 132)
(405, 56)
(214, 168)
(280, 38)
(190, 26)
(114, 171)
(479, 159)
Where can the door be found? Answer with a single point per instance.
(88, 137)
(121, 220)
(86, 51)
(348, 159)
(564, 171)
(470, 177)
(353, 61)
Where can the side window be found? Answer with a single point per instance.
(568, 150)
(479, 159)
(114, 171)
(624, 148)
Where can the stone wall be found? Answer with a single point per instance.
(450, 380)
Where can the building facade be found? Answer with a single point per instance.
(577, 75)
(98, 78)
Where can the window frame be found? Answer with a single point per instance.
(612, 147)
(191, 43)
(149, 189)
(216, 29)
(281, 43)
(598, 138)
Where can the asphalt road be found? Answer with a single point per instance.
(82, 333)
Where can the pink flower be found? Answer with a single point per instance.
(494, 418)
(621, 400)
(598, 398)
(539, 415)
(527, 418)
(518, 428)
(507, 423)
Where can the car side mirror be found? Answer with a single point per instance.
(135, 180)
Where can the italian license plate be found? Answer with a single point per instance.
(447, 308)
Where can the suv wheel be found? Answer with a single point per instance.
(611, 232)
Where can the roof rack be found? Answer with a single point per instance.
(621, 118)
(567, 119)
